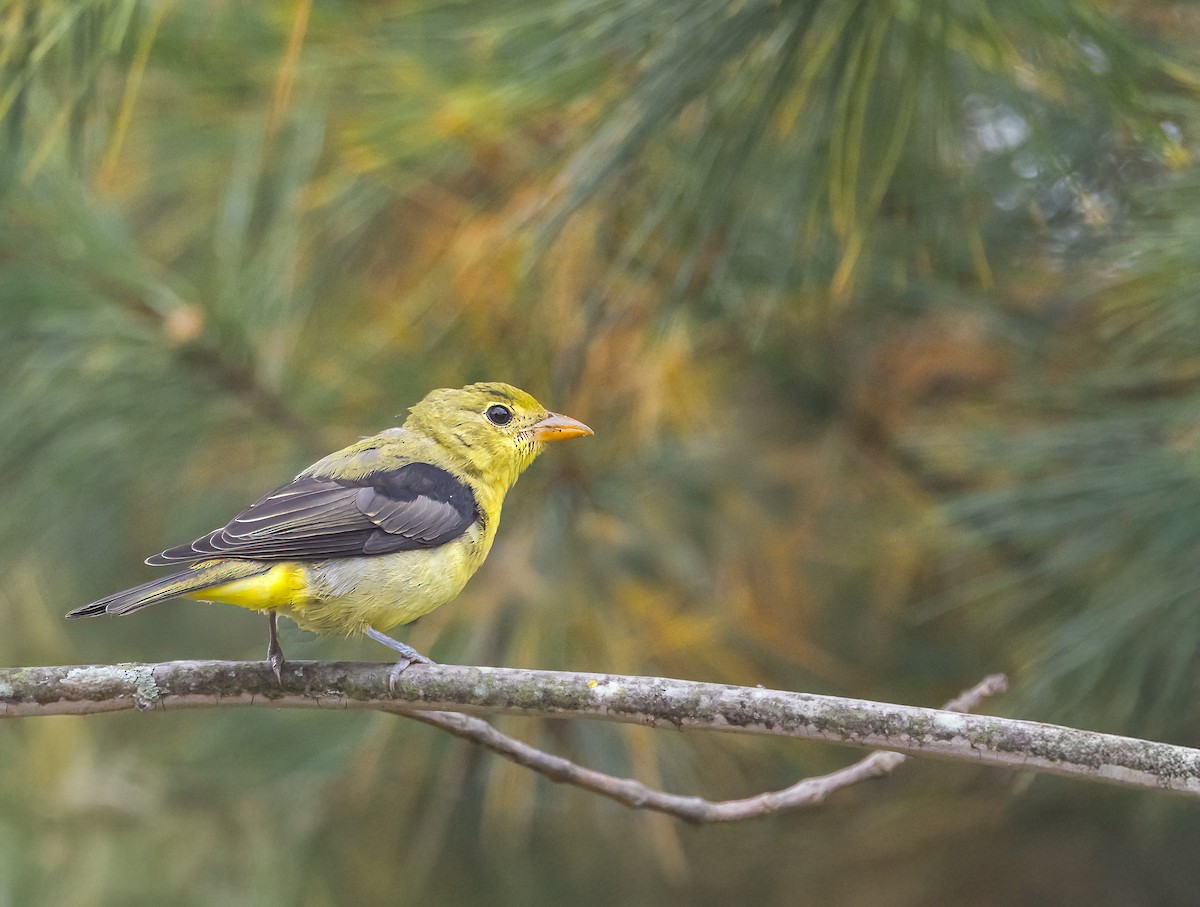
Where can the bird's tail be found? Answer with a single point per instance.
(195, 579)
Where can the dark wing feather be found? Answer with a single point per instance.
(317, 517)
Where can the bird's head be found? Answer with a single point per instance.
(496, 428)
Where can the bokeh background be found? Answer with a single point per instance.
(886, 316)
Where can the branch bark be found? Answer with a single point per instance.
(653, 701)
(634, 794)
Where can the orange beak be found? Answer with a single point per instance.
(558, 428)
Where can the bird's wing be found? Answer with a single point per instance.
(317, 517)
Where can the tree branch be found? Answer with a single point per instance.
(807, 792)
(653, 701)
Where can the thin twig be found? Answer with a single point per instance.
(807, 792)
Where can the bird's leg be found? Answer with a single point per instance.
(408, 655)
(274, 653)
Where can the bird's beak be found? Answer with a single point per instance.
(558, 428)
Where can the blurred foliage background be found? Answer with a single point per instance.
(885, 314)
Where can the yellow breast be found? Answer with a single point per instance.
(348, 595)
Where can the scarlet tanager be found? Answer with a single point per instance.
(375, 535)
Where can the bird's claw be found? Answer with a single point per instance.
(402, 665)
(408, 655)
(274, 652)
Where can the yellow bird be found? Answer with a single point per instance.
(375, 535)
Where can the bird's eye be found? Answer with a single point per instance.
(499, 415)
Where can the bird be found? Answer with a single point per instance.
(374, 535)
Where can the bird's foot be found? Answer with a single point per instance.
(408, 656)
(274, 652)
(402, 665)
